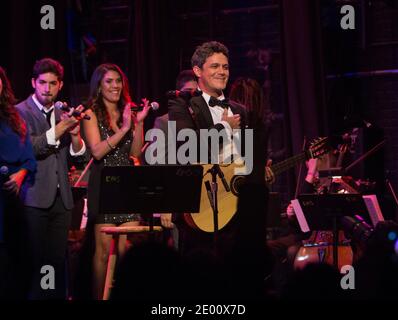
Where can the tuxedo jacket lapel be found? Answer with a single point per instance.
(203, 115)
(202, 112)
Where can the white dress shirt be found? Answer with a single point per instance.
(216, 113)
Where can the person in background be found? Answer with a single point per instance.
(186, 81)
(17, 165)
(249, 93)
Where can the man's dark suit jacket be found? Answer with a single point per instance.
(243, 238)
(195, 114)
(181, 110)
(52, 166)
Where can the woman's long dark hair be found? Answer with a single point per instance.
(8, 113)
(96, 102)
(249, 93)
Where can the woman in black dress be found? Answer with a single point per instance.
(115, 137)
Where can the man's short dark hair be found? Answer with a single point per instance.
(206, 50)
(183, 77)
(48, 65)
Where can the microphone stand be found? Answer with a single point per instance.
(300, 173)
(393, 193)
(77, 183)
(390, 187)
(365, 155)
(216, 171)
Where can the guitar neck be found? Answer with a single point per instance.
(288, 163)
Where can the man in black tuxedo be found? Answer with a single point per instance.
(208, 110)
(241, 243)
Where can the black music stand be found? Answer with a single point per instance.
(323, 212)
(149, 189)
(331, 172)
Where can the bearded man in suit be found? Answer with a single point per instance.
(48, 199)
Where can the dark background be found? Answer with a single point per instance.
(321, 79)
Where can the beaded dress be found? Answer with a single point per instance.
(117, 157)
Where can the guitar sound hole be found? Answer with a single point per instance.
(236, 183)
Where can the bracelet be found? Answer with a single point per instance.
(109, 144)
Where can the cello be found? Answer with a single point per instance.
(319, 247)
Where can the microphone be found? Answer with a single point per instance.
(154, 106)
(185, 94)
(367, 124)
(64, 107)
(4, 174)
(222, 177)
(355, 121)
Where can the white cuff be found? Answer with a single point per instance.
(80, 152)
(50, 134)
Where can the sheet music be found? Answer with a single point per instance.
(300, 216)
(373, 208)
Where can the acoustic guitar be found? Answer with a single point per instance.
(227, 200)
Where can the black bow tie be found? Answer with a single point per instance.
(215, 102)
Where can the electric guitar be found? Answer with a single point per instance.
(227, 201)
